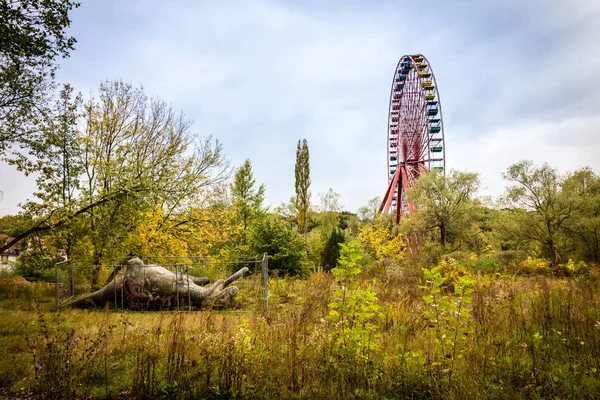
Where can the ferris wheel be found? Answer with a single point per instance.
(415, 139)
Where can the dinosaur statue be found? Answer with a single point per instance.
(144, 287)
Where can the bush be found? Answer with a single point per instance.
(284, 247)
(35, 267)
(331, 252)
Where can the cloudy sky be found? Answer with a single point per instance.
(518, 79)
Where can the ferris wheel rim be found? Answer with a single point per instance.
(415, 130)
(442, 135)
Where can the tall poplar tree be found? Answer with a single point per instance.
(302, 173)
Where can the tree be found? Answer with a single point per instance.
(284, 247)
(329, 210)
(302, 183)
(57, 160)
(141, 155)
(583, 227)
(32, 37)
(331, 252)
(288, 212)
(248, 201)
(136, 155)
(369, 211)
(444, 205)
(378, 242)
(538, 191)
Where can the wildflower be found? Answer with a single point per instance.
(524, 345)
(38, 366)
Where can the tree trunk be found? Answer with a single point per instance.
(443, 234)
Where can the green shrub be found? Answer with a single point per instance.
(285, 247)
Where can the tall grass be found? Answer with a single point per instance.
(526, 337)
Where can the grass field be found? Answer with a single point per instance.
(519, 337)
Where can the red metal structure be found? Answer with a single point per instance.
(415, 132)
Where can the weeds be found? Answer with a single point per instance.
(501, 338)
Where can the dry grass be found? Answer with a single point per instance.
(530, 337)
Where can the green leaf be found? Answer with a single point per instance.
(334, 304)
(334, 316)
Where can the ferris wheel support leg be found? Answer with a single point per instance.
(405, 187)
(389, 194)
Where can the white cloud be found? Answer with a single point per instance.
(259, 75)
(567, 145)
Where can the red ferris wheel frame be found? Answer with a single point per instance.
(415, 132)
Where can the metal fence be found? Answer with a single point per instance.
(75, 280)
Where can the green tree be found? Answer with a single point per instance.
(248, 201)
(288, 212)
(331, 252)
(284, 246)
(137, 155)
(368, 212)
(583, 227)
(537, 190)
(32, 37)
(302, 183)
(329, 210)
(445, 205)
(57, 159)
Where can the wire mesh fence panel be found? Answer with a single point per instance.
(75, 280)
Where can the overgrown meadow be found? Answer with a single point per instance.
(383, 330)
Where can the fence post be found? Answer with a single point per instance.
(187, 275)
(264, 266)
(177, 276)
(71, 281)
(115, 285)
(56, 276)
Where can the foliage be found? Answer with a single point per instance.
(355, 313)
(331, 251)
(61, 359)
(583, 227)
(527, 337)
(248, 201)
(538, 191)
(284, 246)
(35, 266)
(379, 243)
(445, 206)
(134, 159)
(32, 37)
(13, 225)
(58, 162)
(448, 315)
(302, 183)
(369, 211)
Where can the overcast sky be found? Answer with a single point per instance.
(518, 79)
